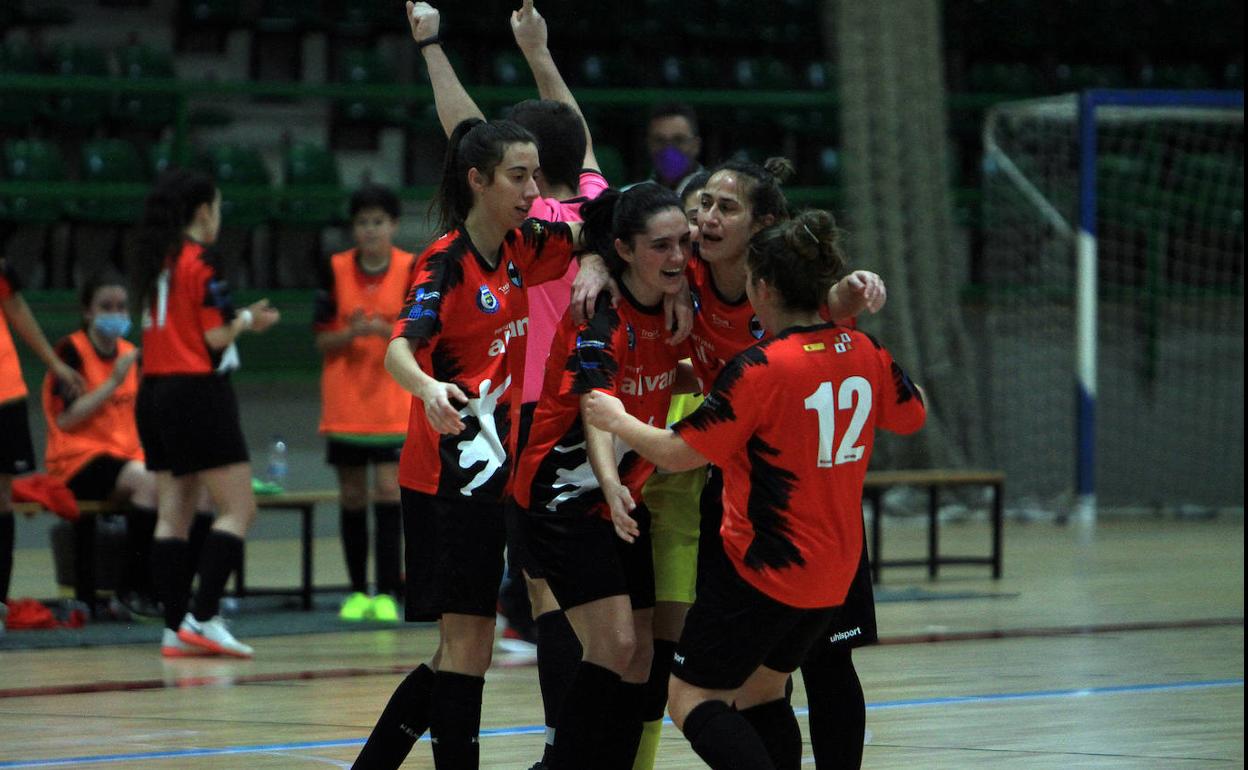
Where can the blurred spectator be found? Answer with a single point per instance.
(674, 144)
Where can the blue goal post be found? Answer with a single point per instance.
(1086, 259)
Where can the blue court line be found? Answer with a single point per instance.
(535, 730)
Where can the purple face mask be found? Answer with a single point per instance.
(672, 164)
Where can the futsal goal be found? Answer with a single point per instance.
(1114, 261)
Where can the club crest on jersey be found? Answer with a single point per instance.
(486, 300)
(514, 275)
(632, 336)
(756, 327)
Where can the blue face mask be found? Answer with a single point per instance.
(112, 325)
(671, 164)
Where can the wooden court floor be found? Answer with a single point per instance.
(1119, 649)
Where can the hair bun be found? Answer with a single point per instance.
(780, 168)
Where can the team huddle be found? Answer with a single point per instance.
(652, 402)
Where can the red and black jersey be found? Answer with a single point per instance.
(467, 322)
(723, 328)
(12, 386)
(190, 299)
(619, 351)
(791, 421)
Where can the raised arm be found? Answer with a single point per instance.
(529, 29)
(452, 101)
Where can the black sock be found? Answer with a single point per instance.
(655, 701)
(626, 724)
(7, 541)
(558, 656)
(201, 525)
(136, 571)
(581, 729)
(776, 724)
(456, 720)
(223, 552)
(838, 709)
(724, 739)
(388, 548)
(170, 571)
(353, 526)
(404, 720)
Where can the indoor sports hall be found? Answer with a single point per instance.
(1052, 195)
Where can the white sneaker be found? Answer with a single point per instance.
(212, 635)
(173, 647)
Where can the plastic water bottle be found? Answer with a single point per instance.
(277, 467)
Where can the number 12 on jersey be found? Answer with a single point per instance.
(854, 393)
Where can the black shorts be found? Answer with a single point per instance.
(854, 624)
(189, 423)
(583, 559)
(97, 480)
(518, 557)
(454, 556)
(733, 628)
(345, 454)
(17, 452)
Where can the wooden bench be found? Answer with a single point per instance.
(877, 482)
(302, 503)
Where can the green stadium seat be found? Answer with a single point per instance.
(82, 110)
(998, 78)
(33, 160)
(688, 72)
(111, 160)
(245, 182)
(1077, 77)
(313, 186)
(285, 15)
(145, 110)
(277, 41)
(510, 69)
(1176, 76)
(364, 18)
(604, 70)
(762, 75)
(18, 108)
(365, 68)
(204, 24)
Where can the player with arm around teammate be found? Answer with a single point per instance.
(791, 422)
(579, 490)
(457, 347)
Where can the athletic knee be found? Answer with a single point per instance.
(612, 648)
(468, 649)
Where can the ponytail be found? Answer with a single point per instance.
(168, 210)
(474, 143)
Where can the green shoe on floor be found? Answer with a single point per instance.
(385, 609)
(357, 607)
